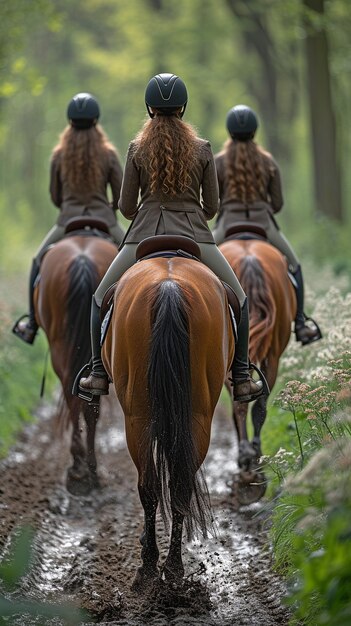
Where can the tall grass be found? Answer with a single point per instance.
(311, 470)
(21, 365)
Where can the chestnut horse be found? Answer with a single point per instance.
(168, 350)
(263, 274)
(69, 274)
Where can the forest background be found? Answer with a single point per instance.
(290, 60)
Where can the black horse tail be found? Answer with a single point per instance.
(172, 465)
(262, 306)
(83, 281)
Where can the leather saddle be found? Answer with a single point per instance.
(87, 226)
(246, 230)
(168, 246)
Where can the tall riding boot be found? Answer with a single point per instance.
(97, 382)
(304, 333)
(245, 389)
(27, 330)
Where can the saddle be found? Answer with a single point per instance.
(246, 230)
(167, 246)
(87, 226)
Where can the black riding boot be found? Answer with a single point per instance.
(245, 389)
(97, 382)
(304, 333)
(27, 330)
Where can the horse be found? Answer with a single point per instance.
(168, 350)
(263, 273)
(70, 272)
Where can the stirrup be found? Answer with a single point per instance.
(318, 335)
(83, 394)
(265, 387)
(263, 391)
(31, 331)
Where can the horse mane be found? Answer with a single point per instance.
(262, 306)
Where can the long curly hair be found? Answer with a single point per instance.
(245, 170)
(83, 154)
(166, 147)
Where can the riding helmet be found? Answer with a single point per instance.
(242, 122)
(83, 110)
(167, 93)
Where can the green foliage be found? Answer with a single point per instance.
(310, 477)
(21, 367)
(12, 570)
(53, 50)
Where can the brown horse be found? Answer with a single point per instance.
(69, 274)
(168, 350)
(262, 271)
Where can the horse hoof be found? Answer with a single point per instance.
(80, 485)
(251, 487)
(144, 579)
(173, 575)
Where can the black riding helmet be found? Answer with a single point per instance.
(242, 122)
(83, 110)
(166, 93)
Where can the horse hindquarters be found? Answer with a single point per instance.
(159, 351)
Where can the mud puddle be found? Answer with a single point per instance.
(86, 549)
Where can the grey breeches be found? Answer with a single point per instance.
(54, 235)
(211, 257)
(275, 237)
(214, 259)
(57, 232)
(121, 263)
(117, 233)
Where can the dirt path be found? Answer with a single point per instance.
(87, 549)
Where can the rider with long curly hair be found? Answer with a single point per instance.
(174, 171)
(250, 191)
(83, 164)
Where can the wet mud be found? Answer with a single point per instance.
(86, 549)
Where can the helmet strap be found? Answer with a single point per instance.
(182, 111)
(151, 114)
(180, 114)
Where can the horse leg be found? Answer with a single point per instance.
(78, 477)
(149, 551)
(246, 452)
(259, 409)
(258, 415)
(173, 568)
(91, 416)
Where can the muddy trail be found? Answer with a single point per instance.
(86, 549)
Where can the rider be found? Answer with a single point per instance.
(82, 165)
(250, 190)
(170, 166)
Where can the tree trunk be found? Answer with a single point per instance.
(327, 178)
(263, 85)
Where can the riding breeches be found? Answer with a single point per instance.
(57, 232)
(210, 254)
(54, 235)
(274, 236)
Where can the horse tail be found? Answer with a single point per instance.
(171, 451)
(262, 306)
(83, 280)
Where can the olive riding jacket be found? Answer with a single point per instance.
(261, 209)
(96, 205)
(157, 213)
